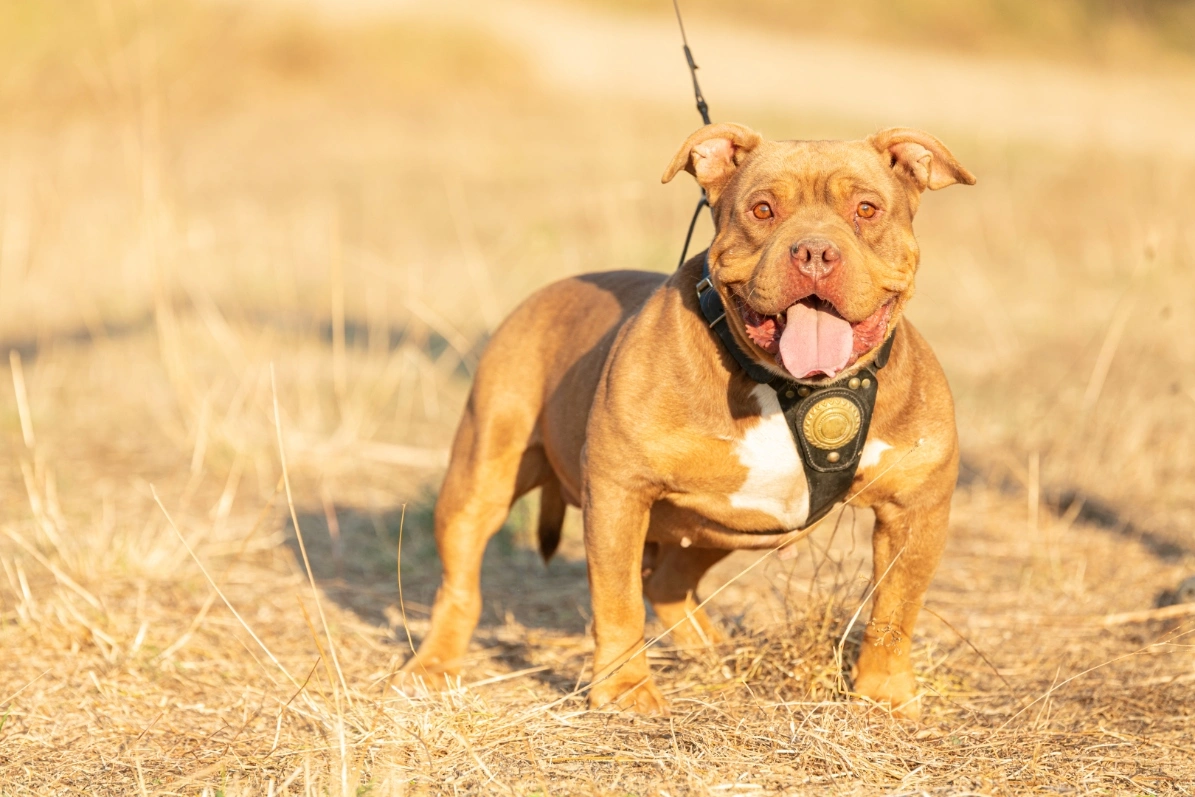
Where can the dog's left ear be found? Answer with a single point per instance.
(920, 159)
(712, 154)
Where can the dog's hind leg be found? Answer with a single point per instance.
(671, 586)
(495, 460)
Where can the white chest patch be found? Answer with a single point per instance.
(873, 450)
(775, 482)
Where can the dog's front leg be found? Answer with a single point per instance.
(907, 543)
(616, 520)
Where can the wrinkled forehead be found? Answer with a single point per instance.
(810, 170)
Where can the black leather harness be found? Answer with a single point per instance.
(828, 424)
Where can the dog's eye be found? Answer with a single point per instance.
(762, 211)
(866, 210)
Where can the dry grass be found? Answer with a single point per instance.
(227, 235)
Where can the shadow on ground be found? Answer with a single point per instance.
(1170, 545)
(354, 557)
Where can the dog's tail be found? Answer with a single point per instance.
(551, 518)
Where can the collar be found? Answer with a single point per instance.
(828, 423)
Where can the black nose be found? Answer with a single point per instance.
(815, 257)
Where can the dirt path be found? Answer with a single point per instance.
(743, 69)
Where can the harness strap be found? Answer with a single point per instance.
(828, 424)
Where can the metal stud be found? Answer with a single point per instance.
(789, 394)
(866, 383)
(803, 392)
(832, 456)
(854, 383)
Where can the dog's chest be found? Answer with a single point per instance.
(775, 481)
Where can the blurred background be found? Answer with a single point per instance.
(358, 190)
(224, 223)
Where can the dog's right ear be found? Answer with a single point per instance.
(712, 154)
(920, 159)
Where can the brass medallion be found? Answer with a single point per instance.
(832, 423)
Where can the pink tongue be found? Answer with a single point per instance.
(815, 341)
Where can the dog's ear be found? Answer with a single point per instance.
(712, 154)
(920, 159)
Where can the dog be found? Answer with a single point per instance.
(618, 393)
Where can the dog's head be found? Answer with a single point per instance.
(814, 254)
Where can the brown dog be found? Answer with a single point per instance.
(611, 392)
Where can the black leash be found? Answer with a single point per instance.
(702, 108)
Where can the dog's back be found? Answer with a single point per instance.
(532, 392)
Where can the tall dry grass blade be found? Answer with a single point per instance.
(475, 263)
(336, 278)
(435, 321)
(1033, 494)
(28, 605)
(179, 643)
(294, 517)
(1054, 687)
(140, 776)
(217, 325)
(257, 524)
(342, 742)
(971, 645)
(1103, 361)
(402, 606)
(39, 507)
(407, 456)
(169, 520)
(97, 634)
(228, 495)
(510, 676)
(18, 384)
(1148, 615)
(198, 450)
(319, 647)
(286, 705)
(333, 523)
(63, 578)
(28, 684)
(444, 328)
(838, 651)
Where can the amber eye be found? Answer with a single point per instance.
(866, 210)
(762, 211)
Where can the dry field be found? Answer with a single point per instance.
(249, 254)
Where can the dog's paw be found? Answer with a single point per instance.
(417, 680)
(639, 696)
(896, 691)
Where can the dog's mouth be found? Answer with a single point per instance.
(812, 339)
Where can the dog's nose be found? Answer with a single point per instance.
(815, 257)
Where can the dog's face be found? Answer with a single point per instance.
(814, 253)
